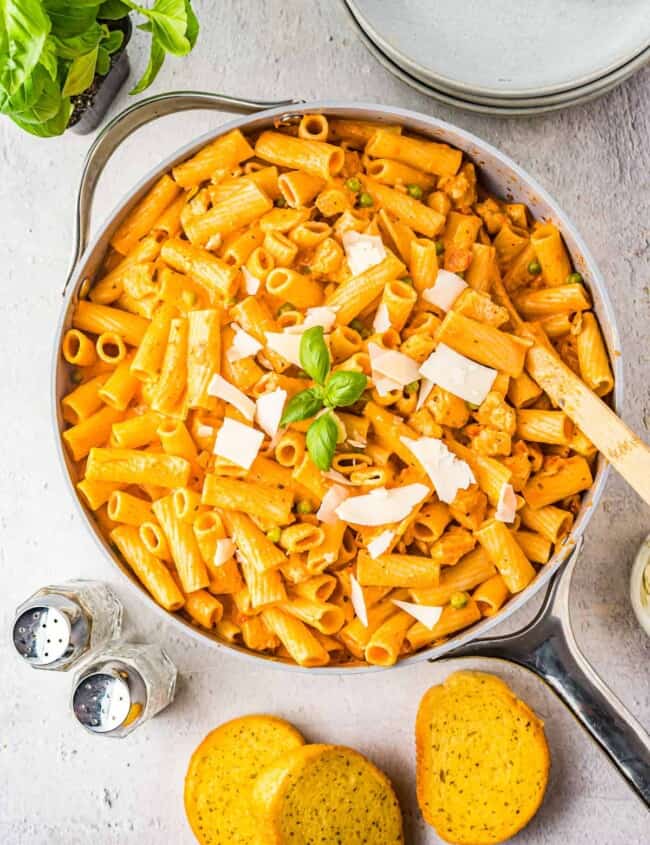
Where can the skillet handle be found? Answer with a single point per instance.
(132, 118)
(548, 648)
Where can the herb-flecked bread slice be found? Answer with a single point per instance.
(326, 795)
(482, 760)
(221, 774)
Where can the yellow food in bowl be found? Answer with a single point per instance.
(280, 497)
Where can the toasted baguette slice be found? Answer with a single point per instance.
(326, 794)
(482, 760)
(221, 774)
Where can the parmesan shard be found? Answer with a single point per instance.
(238, 443)
(224, 550)
(251, 282)
(382, 506)
(380, 544)
(320, 315)
(458, 374)
(223, 389)
(285, 344)
(268, 410)
(204, 430)
(426, 386)
(507, 504)
(381, 322)
(362, 251)
(333, 475)
(427, 614)
(445, 291)
(331, 500)
(243, 345)
(395, 366)
(448, 473)
(358, 601)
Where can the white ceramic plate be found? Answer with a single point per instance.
(517, 108)
(490, 48)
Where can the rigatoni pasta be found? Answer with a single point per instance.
(453, 477)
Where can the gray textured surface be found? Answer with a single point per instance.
(58, 785)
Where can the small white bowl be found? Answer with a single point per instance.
(640, 585)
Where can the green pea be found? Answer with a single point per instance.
(305, 269)
(458, 600)
(281, 202)
(76, 377)
(411, 388)
(304, 506)
(286, 306)
(574, 279)
(534, 268)
(274, 534)
(408, 281)
(365, 200)
(440, 247)
(358, 326)
(353, 184)
(415, 191)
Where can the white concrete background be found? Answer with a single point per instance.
(58, 785)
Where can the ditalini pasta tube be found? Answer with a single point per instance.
(506, 554)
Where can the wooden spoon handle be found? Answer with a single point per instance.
(620, 446)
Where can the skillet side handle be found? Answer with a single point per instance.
(132, 118)
(547, 646)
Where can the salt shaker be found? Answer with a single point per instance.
(59, 624)
(125, 686)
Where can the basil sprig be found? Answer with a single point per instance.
(338, 390)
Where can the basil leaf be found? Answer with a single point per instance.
(54, 126)
(81, 74)
(302, 406)
(156, 58)
(344, 388)
(73, 46)
(113, 41)
(169, 24)
(192, 31)
(71, 18)
(24, 26)
(103, 62)
(314, 354)
(321, 441)
(112, 10)
(48, 58)
(38, 100)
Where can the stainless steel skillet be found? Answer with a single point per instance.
(546, 646)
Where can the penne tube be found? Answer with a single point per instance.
(186, 504)
(544, 426)
(290, 286)
(491, 595)
(253, 544)
(396, 570)
(314, 157)
(429, 156)
(480, 307)
(203, 355)
(290, 449)
(536, 547)
(149, 356)
(399, 299)
(486, 344)
(386, 642)
(201, 265)
(242, 206)
(255, 499)
(296, 637)
(110, 348)
(81, 438)
(407, 210)
(472, 570)
(330, 550)
(313, 127)
(238, 249)
(423, 263)
(451, 621)
(96, 493)
(176, 439)
(592, 356)
(121, 386)
(568, 477)
(169, 222)
(183, 546)
(356, 635)
(224, 153)
(357, 133)
(130, 466)
(551, 522)
(546, 302)
(282, 250)
(481, 270)
(149, 570)
(324, 617)
(93, 318)
(390, 172)
(310, 234)
(83, 401)
(140, 220)
(123, 507)
(557, 325)
(505, 553)
(78, 349)
(111, 286)
(551, 254)
(317, 588)
(203, 608)
(264, 588)
(298, 188)
(154, 540)
(523, 391)
(136, 431)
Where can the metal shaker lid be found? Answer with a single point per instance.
(50, 631)
(109, 697)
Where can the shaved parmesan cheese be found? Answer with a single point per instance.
(382, 322)
(395, 366)
(358, 601)
(251, 282)
(424, 613)
(333, 475)
(268, 411)
(243, 345)
(224, 550)
(357, 444)
(507, 504)
(426, 386)
(384, 385)
(331, 500)
(238, 443)
(380, 544)
(445, 291)
(458, 374)
(322, 315)
(285, 344)
(382, 506)
(362, 251)
(448, 473)
(223, 389)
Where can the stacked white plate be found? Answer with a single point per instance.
(506, 58)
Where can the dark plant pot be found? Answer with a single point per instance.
(90, 106)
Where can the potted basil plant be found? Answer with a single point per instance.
(61, 62)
